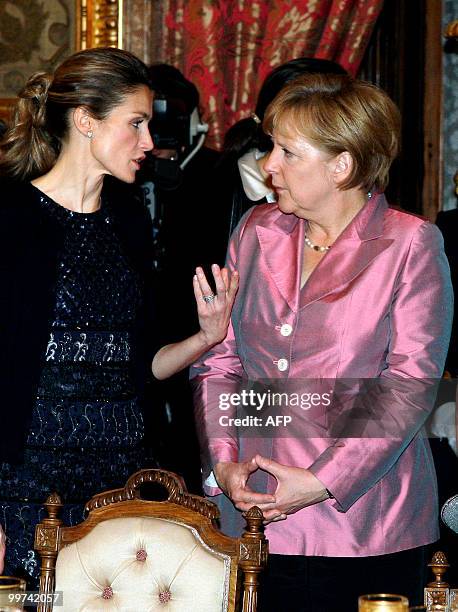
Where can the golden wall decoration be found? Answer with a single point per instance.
(38, 36)
(451, 31)
(99, 23)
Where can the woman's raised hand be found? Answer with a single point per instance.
(214, 310)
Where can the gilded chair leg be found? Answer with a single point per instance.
(252, 557)
(47, 540)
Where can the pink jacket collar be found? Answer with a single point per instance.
(282, 249)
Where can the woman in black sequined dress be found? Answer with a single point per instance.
(77, 335)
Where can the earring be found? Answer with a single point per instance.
(90, 134)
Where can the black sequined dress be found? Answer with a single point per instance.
(87, 431)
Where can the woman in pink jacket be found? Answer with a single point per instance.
(355, 297)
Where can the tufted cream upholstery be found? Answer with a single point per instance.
(135, 555)
(178, 574)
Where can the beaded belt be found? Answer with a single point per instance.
(89, 346)
(86, 365)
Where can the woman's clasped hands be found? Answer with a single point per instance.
(296, 488)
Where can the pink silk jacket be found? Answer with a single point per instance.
(378, 305)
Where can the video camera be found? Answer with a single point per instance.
(174, 128)
(170, 125)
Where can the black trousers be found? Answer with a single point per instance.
(294, 583)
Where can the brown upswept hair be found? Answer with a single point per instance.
(97, 79)
(337, 113)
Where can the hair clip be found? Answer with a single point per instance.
(255, 118)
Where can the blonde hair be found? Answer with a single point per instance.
(98, 79)
(337, 113)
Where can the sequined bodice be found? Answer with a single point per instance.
(86, 395)
(96, 289)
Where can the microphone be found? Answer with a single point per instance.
(449, 513)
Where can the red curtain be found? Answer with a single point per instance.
(227, 47)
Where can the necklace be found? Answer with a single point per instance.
(324, 249)
(315, 247)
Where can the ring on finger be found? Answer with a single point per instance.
(208, 299)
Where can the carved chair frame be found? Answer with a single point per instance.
(248, 553)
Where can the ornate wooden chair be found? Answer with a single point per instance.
(438, 594)
(131, 554)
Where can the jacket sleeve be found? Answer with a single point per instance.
(214, 377)
(390, 412)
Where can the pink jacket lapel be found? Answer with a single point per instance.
(281, 248)
(354, 250)
(358, 245)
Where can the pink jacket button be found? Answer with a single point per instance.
(286, 329)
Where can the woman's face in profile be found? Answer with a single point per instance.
(300, 173)
(121, 140)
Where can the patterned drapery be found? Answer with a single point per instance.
(227, 47)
